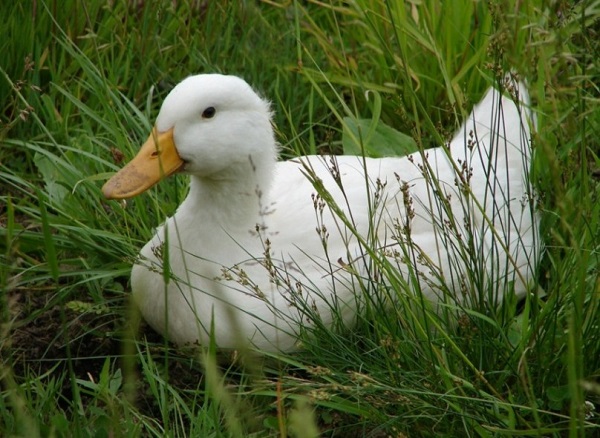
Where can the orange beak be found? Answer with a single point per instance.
(157, 159)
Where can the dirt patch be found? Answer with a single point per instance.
(40, 335)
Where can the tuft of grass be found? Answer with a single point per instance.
(80, 86)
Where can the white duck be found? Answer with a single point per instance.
(255, 254)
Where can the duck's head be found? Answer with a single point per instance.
(207, 125)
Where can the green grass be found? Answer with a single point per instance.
(81, 83)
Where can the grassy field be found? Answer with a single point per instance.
(81, 83)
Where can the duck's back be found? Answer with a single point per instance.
(461, 215)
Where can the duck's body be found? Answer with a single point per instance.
(254, 255)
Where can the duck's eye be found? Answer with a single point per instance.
(209, 112)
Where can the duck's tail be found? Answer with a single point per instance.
(497, 136)
(518, 91)
(501, 125)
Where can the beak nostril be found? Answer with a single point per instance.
(154, 154)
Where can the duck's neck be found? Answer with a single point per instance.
(236, 196)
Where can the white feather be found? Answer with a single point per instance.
(242, 202)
